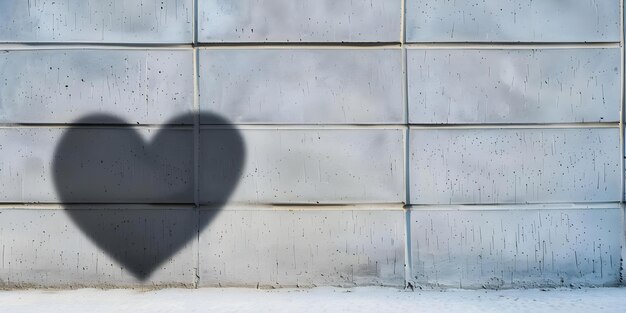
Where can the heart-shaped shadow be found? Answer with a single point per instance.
(115, 166)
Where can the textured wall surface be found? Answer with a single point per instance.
(389, 142)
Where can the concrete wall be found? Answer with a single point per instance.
(388, 142)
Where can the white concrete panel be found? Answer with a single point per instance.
(279, 86)
(281, 247)
(316, 165)
(119, 165)
(511, 247)
(514, 86)
(529, 165)
(512, 21)
(44, 248)
(110, 21)
(299, 20)
(60, 86)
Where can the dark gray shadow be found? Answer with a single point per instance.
(115, 166)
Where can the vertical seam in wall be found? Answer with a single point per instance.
(196, 141)
(196, 129)
(195, 23)
(402, 22)
(622, 146)
(196, 102)
(196, 158)
(408, 273)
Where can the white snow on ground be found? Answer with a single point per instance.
(361, 300)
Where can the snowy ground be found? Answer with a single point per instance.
(361, 300)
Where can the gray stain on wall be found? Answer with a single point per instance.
(104, 165)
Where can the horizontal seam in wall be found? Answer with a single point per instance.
(512, 45)
(308, 126)
(331, 206)
(91, 46)
(314, 126)
(228, 207)
(513, 206)
(189, 46)
(300, 45)
(497, 126)
(69, 125)
(305, 45)
(314, 208)
(207, 126)
(240, 203)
